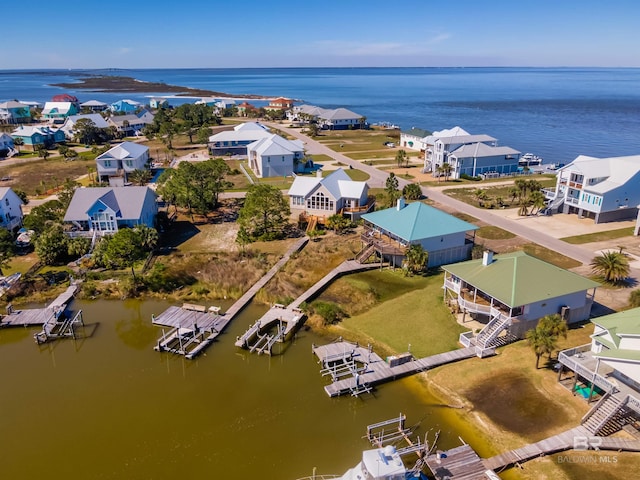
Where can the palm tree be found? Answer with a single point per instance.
(446, 169)
(612, 266)
(541, 342)
(400, 157)
(538, 200)
(415, 259)
(634, 299)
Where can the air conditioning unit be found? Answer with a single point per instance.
(564, 313)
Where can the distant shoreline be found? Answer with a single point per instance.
(121, 84)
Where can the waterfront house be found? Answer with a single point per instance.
(124, 106)
(328, 119)
(7, 146)
(10, 209)
(132, 124)
(236, 141)
(13, 112)
(280, 104)
(58, 111)
(414, 139)
(325, 196)
(245, 109)
(390, 232)
(121, 160)
(609, 366)
(512, 291)
(466, 154)
(69, 124)
(32, 137)
(156, 102)
(274, 156)
(94, 106)
(104, 210)
(604, 189)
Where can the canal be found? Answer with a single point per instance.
(109, 407)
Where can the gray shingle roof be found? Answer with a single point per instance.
(128, 200)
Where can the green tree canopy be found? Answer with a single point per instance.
(51, 245)
(338, 223)
(391, 189)
(415, 260)
(612, 266)
(42, 216)
(543, 339)
(195, 186)
(412, 191)
(265, 212)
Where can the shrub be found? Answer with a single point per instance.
(329, 311)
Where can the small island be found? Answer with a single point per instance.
(118, 84)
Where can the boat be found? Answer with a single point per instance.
(383, 463)
(24, 238)
(529, 159)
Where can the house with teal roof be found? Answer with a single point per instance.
(511, 292)
(390, 232)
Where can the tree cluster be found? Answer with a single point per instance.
(188, 119)
(544, 338)
(264, 215)
(195, 186)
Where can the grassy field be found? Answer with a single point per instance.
(494, 192)
(414, 317)
(44, 175)
(599, 236)
(494, 233)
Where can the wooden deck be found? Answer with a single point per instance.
(376, 370)
(39, 316)
(459, 463)
(192, 330)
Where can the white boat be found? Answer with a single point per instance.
(529, 159)
(383, 463)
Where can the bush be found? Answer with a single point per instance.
(464, 176)
(329, 311)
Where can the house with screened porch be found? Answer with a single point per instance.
(510, 292)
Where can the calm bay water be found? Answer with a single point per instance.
(556, 113)
(109, 407)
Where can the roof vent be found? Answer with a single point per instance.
(487, 257)
(400, 205)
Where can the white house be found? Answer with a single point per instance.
(10, 209)
(274, 156)
(605, 189)
(104, 210)
(131, 124)
(331, 119)
(326, 196)
(58, 110)
(607, 367)
(121, 160)
(467, 154)
(236, 141)
(390, 232)
(70, 122)
(414, 139)
(94, 106)
(513, 291)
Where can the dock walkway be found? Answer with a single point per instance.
(192, 330)
(39, 316)
(558, 443)
(375, 370)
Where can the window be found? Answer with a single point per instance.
(320, 202)
(107, 163)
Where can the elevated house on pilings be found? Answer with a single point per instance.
(389, 233)
(607, 370)
(511, 292)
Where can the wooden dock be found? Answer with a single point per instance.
(558, 443)
(348, 266)
(258, 339)
(39, 316)
(459, 463)
(368, 369)
(193, 329)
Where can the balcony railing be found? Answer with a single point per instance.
(572, 359)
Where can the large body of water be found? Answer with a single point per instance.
(556, 113)
(109, 407)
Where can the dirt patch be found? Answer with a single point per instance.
(514, 403)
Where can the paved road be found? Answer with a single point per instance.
(379, 177)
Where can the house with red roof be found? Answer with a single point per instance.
(280, 103)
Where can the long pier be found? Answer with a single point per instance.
(193, 328)
(364, 368)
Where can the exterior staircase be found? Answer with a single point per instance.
(313, 223)
(365, 253)
(490, 332)
(606, 417)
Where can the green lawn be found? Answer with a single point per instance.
(417, 317)
(494, 233)
(599, 236)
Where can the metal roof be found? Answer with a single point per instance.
(517, 279)
(417, 221)
(128, 200)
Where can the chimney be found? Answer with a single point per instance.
(319, 173)
(487, 257)
(400, 205)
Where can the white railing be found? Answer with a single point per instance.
(633, 403)
(454, 286)
(585, 372)
(474, 307)
(466, 338)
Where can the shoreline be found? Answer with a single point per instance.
(122, 84)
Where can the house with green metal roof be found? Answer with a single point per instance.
(513, 291)
(609, 368)
(390, 232)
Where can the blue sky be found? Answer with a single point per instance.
(340, 33)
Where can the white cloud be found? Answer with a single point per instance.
(124, 50)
